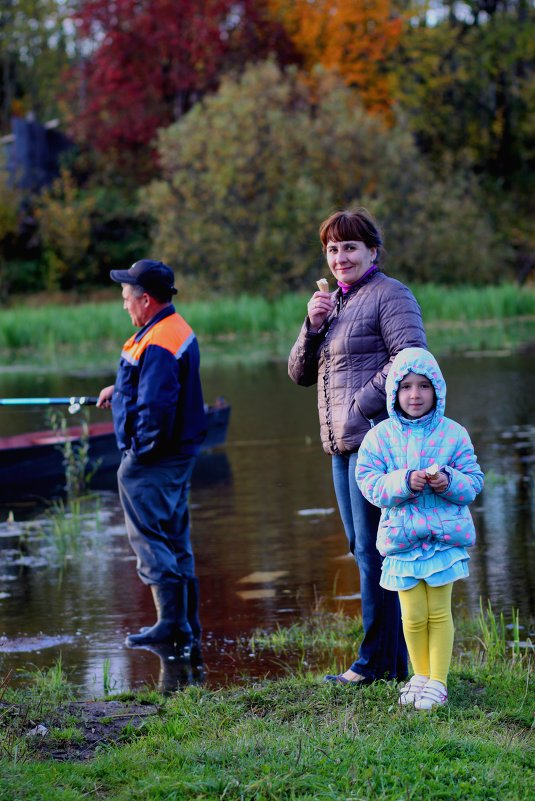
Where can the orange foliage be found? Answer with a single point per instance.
(351, 37)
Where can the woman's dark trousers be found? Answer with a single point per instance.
(382, 653)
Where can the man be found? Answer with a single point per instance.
(159, 420)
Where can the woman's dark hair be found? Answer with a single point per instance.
(357, 226)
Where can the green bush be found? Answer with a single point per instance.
(119, 234)
(63, 213)
(250, 172)
(25, 276)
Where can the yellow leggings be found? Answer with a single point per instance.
(428, 628)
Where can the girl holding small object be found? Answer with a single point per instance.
(420, 468)
(346, 346)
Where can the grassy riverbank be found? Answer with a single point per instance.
(458, 319)
(295, 738)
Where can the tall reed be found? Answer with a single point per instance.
(93, 331)
(76, 462)
(469, 303)
(493, 635)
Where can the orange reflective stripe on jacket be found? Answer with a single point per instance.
(175, 339)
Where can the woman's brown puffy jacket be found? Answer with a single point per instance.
(350, 357)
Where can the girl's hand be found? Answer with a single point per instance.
(438, 483)
(319, 307)
(417, 480)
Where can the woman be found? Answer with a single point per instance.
(346, 346)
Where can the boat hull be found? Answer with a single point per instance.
(31, 464)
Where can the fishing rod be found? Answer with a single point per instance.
(74, 403)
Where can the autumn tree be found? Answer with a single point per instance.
(250, 171)
(64, 215)
(148, 61)
(33, 54)
(467, 85)
(352, 37)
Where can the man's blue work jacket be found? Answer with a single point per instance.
(157, 404)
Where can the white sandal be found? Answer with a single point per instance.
(411, 691)
(434, 694)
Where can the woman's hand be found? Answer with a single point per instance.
(320, 305)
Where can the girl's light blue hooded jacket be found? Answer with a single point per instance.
(398, 445)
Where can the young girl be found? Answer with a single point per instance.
(420, 468)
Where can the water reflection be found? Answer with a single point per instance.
(269, 543)
(175, 672)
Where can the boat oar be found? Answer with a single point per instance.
(74, 404)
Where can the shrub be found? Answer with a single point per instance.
(249, 173)
(64, 220)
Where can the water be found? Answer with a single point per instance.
(269, 543)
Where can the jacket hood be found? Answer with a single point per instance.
(420, 361)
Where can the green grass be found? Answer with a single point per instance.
(68, 733)
(468, 303)
(247, 327)
(298, 738)
(322, 632)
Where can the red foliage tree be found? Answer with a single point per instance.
(146, 62)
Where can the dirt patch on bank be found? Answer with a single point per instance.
(93, 723)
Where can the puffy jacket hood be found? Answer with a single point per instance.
(420, 361)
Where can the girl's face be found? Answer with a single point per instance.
(416, 395)
(348, 261)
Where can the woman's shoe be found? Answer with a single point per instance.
(433, 694)
(412, 691)
(341, 679)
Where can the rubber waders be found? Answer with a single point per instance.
(171, 625)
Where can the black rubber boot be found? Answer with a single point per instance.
(184, 637)
(171, 624)
(193, 608)
(194, 621)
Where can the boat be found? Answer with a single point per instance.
(31, 464)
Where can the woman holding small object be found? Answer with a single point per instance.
(346, 346)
